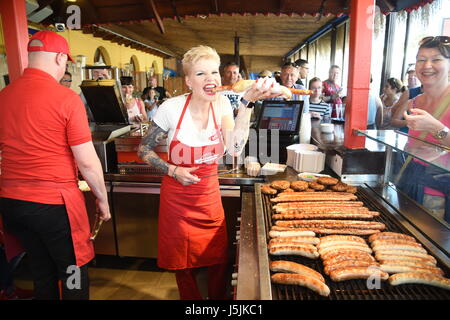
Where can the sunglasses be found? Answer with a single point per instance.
(444, 40)
(66, 80)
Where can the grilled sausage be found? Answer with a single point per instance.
(318, 207)
(350, 231)
(420, 278)
(327, 244)
(292, 267)
(352, 252)
(335, 204)
(301, 280)
(423, 259)
(349, 263)
(291, 233)
(343, 231)
(403, 253)
(397, 268)
(293, 214)
(294, 250)
(395, 242)
(314, 196)
(325, 251)
(348, 257)
(291, 244)
(310, 240)
(333, 238)
(356, 224)
(357, 273)
(404, 247)
(391, 235)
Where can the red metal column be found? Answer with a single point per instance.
(361, 27)
(15, 33)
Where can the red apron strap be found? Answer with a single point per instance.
(214, 117)
(181, 116)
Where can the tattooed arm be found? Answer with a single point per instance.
(236, 131)
(146, 152)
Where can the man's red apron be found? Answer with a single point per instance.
(191, 226)
(76, 210)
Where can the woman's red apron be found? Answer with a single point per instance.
(191, 226)
(76, 211)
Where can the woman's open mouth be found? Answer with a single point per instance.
(209, 89)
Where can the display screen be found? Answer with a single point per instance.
(281, 115)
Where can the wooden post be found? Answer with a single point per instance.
(236, 51)
(361, 28)
(15, 33)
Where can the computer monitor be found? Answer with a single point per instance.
(280, 115)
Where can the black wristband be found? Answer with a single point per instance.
(247, 104)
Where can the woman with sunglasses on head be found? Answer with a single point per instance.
(428, 118)
(199, 126)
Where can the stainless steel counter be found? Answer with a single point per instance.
(230, 179)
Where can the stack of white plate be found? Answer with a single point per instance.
(292, 149)
(305, 158)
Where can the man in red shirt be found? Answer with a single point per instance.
(44, 140)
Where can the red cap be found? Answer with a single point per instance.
(51, 42)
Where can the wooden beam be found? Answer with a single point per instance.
(175, 11)
(215, 6)
(151, 5)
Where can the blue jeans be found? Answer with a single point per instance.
(417, 176)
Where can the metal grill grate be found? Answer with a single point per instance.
(352, 289)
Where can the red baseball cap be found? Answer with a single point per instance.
(51, 42)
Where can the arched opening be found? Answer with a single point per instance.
(101, 55)
(134, 64)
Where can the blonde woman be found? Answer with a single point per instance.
(199, 126)
(428, 118)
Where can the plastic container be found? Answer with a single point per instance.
(305, 128)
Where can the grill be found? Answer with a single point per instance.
(352, 289)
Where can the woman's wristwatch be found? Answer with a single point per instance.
(247, 104)
(441, 134)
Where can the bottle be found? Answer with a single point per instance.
(305, 128)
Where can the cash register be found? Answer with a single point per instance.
(277, 126)
(104, 99)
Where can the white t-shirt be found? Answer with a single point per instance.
(133, 112)
(234, 97)
(169, 113)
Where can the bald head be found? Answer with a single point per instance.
(51, 62)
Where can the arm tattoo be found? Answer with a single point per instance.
(148, 143)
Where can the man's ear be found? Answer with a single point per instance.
(60, 59)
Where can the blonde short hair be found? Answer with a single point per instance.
(196, 53)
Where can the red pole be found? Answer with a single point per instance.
(15, 33)
(361, 27)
